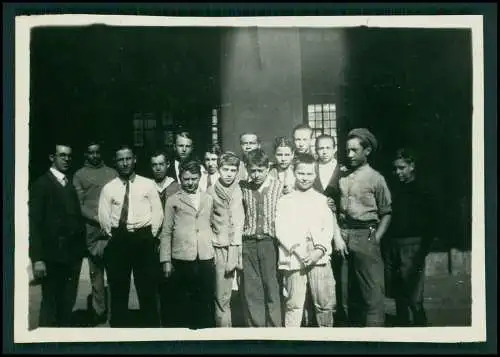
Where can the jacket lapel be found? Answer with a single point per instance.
(203, 201)
(183, 197)
(317, 181)
(334, 179)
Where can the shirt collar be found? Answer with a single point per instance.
(58, 174)
(360, 169)
(332, 163)
(267, 182)
(88, 164)
(164, 184)
(131, 178)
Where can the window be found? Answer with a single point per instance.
(144, 129)
(322, 118)
(215, 127)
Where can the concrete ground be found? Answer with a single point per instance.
(447, 300)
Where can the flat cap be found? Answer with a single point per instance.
(364, 135)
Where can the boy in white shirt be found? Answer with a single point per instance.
(306, 245)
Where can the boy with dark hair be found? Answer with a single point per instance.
(411, 235)
(364, 217)
(260, 281)
(186, 248)
(89, 181)
(227, 222)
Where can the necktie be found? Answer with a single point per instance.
(64, 181)
(124, 214)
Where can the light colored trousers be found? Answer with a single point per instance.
(223, 289)
(96, 272)
(322, 285)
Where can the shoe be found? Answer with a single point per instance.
(100, 319)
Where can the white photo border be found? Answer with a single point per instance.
(474, 333)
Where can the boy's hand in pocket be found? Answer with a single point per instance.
(232, 258)
(239, 266)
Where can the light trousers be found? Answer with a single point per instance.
(322, 285)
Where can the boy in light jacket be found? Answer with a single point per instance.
(186, 249)
(227, 222)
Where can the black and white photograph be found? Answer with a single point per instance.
(260, 178)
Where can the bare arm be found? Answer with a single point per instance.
(382, 227)
(384, 202)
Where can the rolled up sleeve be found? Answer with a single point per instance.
(383, 197)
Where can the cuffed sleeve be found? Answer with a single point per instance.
(383, 197)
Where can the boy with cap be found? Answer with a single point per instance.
(364, 216)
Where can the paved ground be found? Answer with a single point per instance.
(447, 300)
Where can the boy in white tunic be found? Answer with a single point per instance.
(305, 226)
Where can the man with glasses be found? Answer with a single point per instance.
(56, 239)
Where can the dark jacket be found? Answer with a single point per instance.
(332, 190)
(57, 230)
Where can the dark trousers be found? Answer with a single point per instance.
(136, 253)
(195, 296)
(167, 290)
(362, 295)
(407, 269)
(59, 291)
(261, 294)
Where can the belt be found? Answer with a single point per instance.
(132, 230)
(355, 224)
(257, 236)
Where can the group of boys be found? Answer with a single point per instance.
(198, 230)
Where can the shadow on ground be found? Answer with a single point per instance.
(447, 302)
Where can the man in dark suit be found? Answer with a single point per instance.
(56, 239)
(327, 169)
(326, 182)
(166, 187)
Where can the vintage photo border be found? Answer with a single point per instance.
(477, 332)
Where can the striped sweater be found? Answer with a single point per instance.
(260, 206)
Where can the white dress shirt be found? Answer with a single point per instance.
(326, 172)
(312, 220)
(59, 176)
(144, 206)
